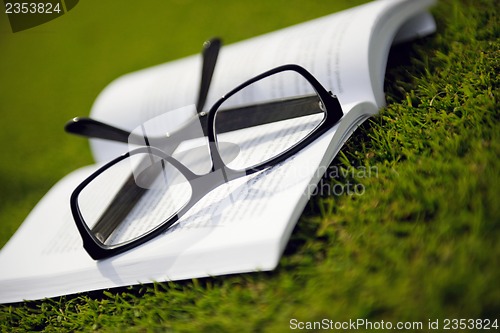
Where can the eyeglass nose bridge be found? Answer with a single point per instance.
(206, 183)
(201, 184)
(196, 159)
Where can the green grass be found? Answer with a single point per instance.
(420, 243)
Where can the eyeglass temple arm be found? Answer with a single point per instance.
(91, 128)
(250, 115)
(210, 54)
(119, 208)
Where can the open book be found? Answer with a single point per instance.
(244, 225)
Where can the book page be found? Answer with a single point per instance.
(346, 51)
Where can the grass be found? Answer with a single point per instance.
(420, 243)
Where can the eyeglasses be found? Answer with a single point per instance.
(257, 125)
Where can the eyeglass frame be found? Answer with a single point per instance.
(219, 174)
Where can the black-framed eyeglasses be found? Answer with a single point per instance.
(255, 126)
